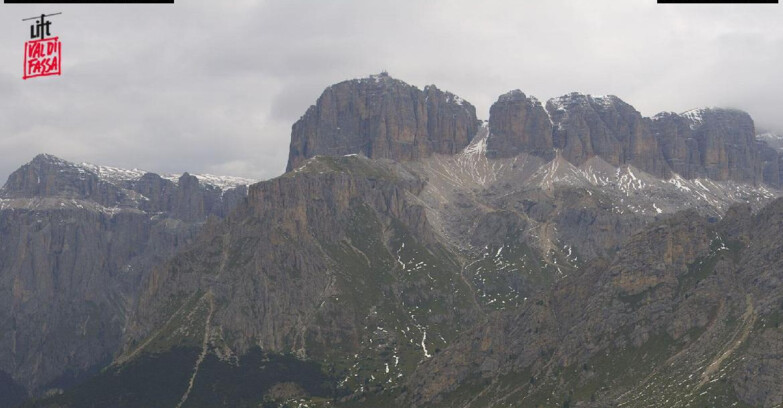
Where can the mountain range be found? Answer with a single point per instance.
(567, 253)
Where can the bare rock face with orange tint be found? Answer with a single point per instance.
(519, 125)
(382, 117)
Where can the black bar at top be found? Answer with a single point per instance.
(88, 1)
(717, 1)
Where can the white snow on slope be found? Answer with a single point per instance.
(117, 175)
(221, 182)
(694, 116)
(113, 174)
(644, 193)
(773, 139)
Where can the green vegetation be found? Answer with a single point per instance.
(392, 285)
(505, 276)
(352, 165)
(636, 300)
(220, 384)
(591, 381)
(185, 327)
(151, 380)
(12, 393)
(704, 267)
(160, 380)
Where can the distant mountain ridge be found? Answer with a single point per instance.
(382, 117)
(122, 176)
(185, 196)
(773, 138)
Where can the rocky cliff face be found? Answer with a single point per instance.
(681, 311)
(77, 240)
(773, 138)
(714, 143)
(519, 125)
(382, 117)
(606, 127)
(187, 198)
(771, 162)
(718, 144)
(49, 176)
(580, 126)
(333, 260)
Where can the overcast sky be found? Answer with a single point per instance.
(214, 87)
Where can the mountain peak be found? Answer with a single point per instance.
(694, 116)
(48, 158)
(512, 96)
(381, 80)
(383, 76)
(517, 95)
(382, 117)
(519, 123)
(49, 175)
(574, 99)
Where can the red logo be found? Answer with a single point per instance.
(42, 58)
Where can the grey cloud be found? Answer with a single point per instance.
(203, 86)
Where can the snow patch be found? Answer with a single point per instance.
(424, 345)
(695, 116)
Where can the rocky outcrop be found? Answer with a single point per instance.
(187, 199)
(184, 197)
(50, 176)
(726, 140)
(760, 374)
(519, 124)
(687, 307)
(718, 144)
(311, 255)
(67, 280)
(770, 164)
(382, 117)
(773, 138)
(75, 245)
(679, 147)
(606, 127)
